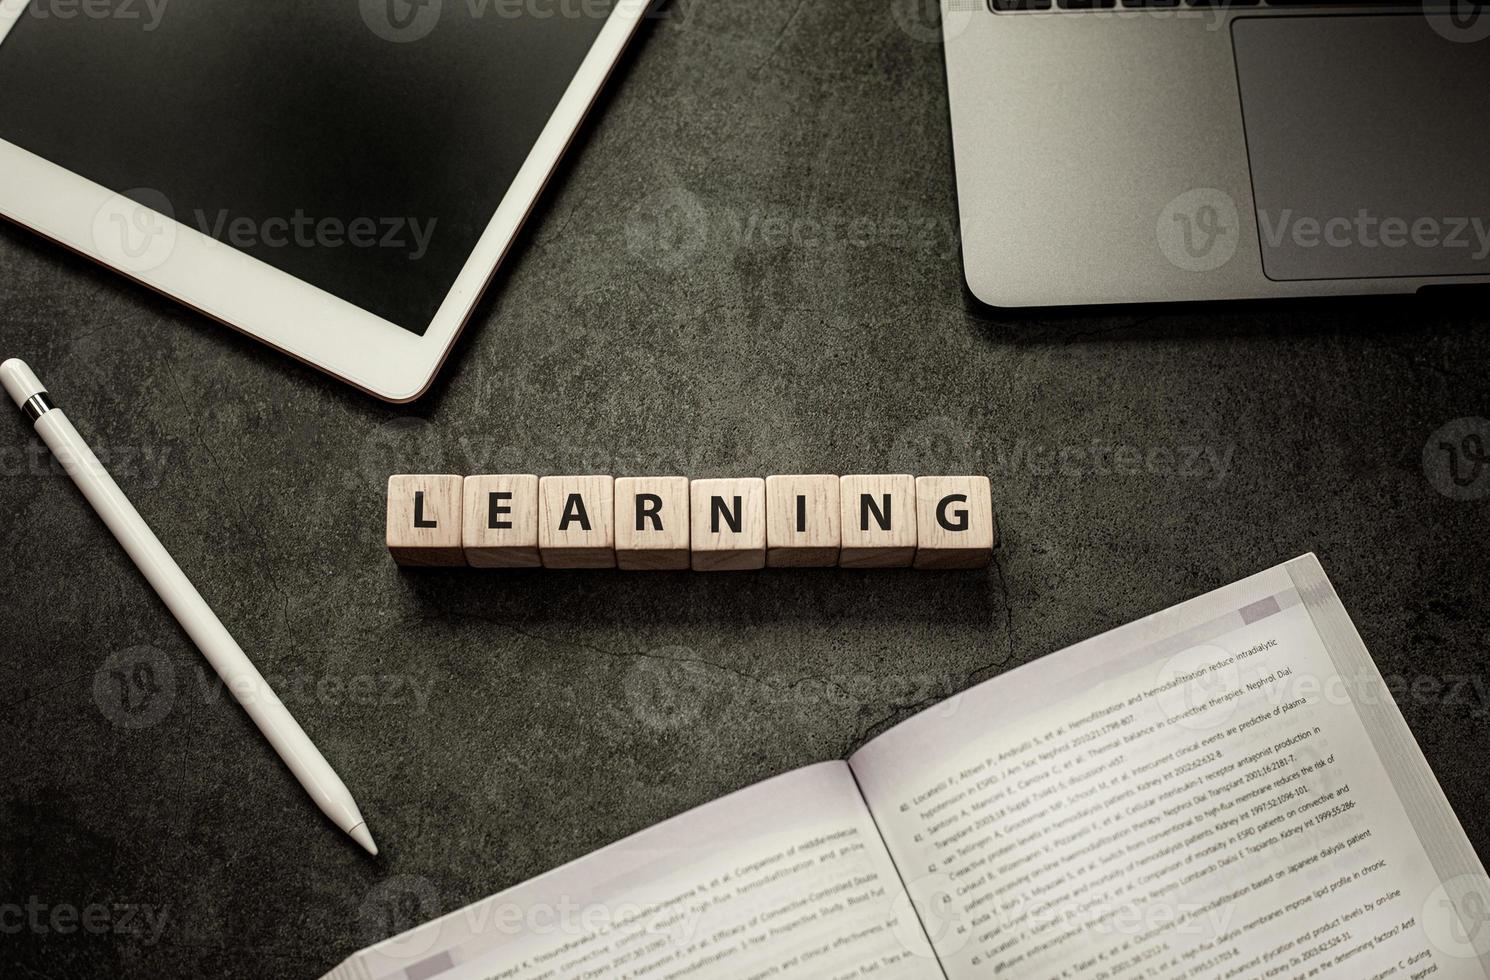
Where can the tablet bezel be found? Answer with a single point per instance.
(287, 313)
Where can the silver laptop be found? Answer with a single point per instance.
(1113, 151)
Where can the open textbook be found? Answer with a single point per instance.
(1225, 789)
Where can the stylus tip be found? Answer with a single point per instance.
(363, 836)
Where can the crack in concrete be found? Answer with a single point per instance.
(898, 711)
(43, 691)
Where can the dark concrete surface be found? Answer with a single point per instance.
(494, 726)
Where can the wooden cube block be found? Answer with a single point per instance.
(652, 521)
(424, 518)
(729, 524)
(577, 522)
(802, 521)
(955, 526)
(878, 515)
(500, 525)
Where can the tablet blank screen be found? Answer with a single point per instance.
(359, 145)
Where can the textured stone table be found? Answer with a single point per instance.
(748, 266)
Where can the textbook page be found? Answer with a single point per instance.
(1199, 794)
(785, 879)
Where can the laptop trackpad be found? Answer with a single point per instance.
(1369, 138)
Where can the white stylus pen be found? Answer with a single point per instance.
(186, 604)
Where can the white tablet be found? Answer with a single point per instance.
(338, 178)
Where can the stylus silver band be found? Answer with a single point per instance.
(37, 405)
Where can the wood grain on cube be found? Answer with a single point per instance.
(955, 526)
(424, 519)
(500, 523)
(729, 524)
(802, 521)
(577, 521)
(652, 523)
(878, 517)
